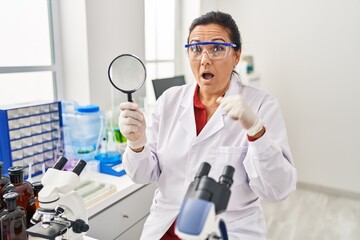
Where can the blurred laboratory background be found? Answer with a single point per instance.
(54, 59)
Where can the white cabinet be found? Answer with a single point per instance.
(125, 218)
(134, 232)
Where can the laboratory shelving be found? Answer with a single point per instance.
(30, 134)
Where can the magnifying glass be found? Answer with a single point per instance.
(127, 73)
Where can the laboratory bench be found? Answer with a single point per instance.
(121, 212)
(116, 207)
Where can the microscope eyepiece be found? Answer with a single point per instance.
(203, 170)
(227, 176)
(79, 167)
(60, 164)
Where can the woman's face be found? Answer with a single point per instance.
(213, 76)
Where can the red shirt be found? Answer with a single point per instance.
(200, 112)
(200, 121)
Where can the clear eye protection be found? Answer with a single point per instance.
(215, 50)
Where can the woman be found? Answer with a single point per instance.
(219, 120)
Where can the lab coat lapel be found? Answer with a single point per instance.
(215, 123)
(187, 117)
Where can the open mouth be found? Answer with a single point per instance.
(207, 75)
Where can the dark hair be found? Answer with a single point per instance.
(223, 19)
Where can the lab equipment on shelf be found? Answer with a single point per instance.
(82, 130)
(109, 134)
(29, 134)
(111, 163)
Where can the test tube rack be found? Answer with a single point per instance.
(30, 133)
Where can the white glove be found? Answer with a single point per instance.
(235, 107)
(132, 125)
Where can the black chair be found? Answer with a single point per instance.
(161, 84)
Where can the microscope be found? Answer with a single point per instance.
(62, 212)
(204, 200)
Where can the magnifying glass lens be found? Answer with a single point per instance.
(127, 73)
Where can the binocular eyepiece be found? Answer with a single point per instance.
(61, 162)
(206, 188)
(226, 177)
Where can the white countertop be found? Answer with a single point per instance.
(89, 238)
(124, 186)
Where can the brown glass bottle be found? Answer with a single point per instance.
(26, 198)
(13, 219)
(3, 182)
(37, 186)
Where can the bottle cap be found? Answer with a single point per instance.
(37, 185)
(88, 108)
(10, 196)
(16, 170)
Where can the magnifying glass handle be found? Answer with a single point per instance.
(129, 97)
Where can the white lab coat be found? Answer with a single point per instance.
(173, 155)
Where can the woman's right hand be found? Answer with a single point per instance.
(132, 125)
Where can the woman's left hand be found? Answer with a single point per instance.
(236, 108)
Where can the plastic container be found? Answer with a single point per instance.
(110, 163)
(92, 166)
(85, 123)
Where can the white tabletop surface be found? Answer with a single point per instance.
(89, 238)
(124, 186)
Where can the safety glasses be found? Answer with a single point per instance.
(215, 50)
